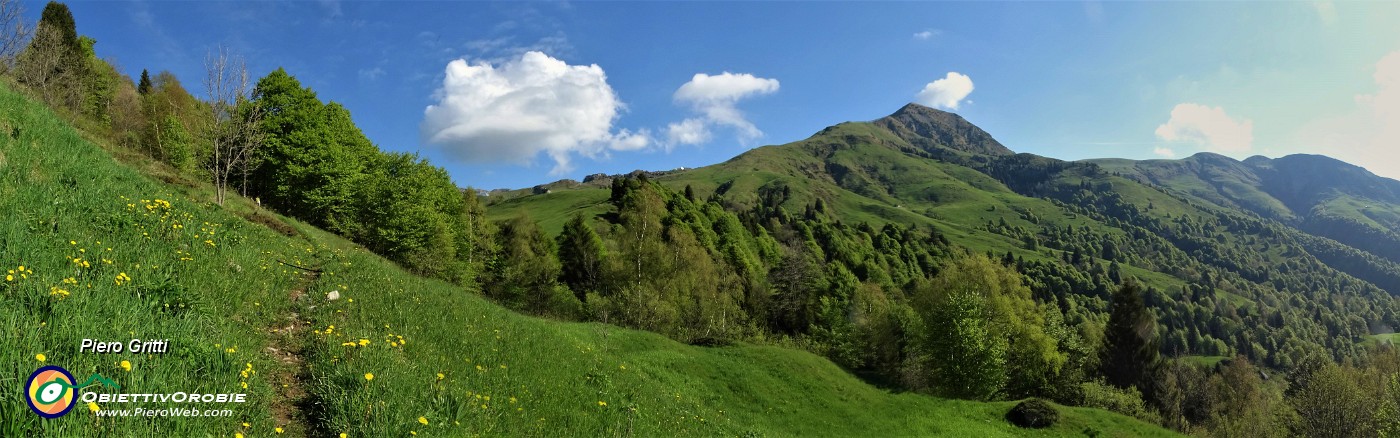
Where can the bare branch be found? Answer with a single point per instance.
(234, 118)
(14, 34)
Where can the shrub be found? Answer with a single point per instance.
(1096, 394)
(1033, 413)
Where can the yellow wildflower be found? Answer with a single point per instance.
(126, 365)
(278, 430)
(369, 376)
(93, 407)
(423, 420)
(41, 357)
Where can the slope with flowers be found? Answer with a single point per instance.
(96, 249)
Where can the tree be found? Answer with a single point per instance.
(1129, 357)
(53, 63)
(406, 210)
(1331, 403)
(313, 155)
(581, 253)
(127, 117)
(525, 272)
(475, 235)
(171, 116)
(1241, 404)
(967, 359)
(13, 33)
(984, 330)
(640, 257)
(144, 87)
(233, 129)
(57, 16)
(1388, 414)
(41, 66)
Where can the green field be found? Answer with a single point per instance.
(1390, 338)
(112, 254)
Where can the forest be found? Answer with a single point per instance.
(1245, 346)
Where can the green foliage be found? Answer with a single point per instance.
(581, 255)
(408, 210)
(983, 326)
(57, 16)
(144, 87)
(312, 158)
(525, 270)
(1130, 356)
(1388, 414)
(316, 165)
(1126, 401)
(1330, 402)
(966, 356)
(1034, 413)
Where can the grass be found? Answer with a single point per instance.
(394, 355)
(1390, 338)
(203, 278)
(1202, 361)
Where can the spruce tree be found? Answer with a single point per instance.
(144, 87)
(581, 254)
(1129, 356)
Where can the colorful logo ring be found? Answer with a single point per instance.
(50, 392)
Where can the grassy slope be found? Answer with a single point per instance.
(502, 373)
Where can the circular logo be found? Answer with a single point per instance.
(49, 391)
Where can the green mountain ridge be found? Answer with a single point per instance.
(1250, 234)
(1317, 194)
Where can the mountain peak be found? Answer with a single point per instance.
(927, 127)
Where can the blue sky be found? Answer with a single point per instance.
(612, 87)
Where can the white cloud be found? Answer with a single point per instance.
(518, 109)
(1208, 127)
(946, 92)
(1368, 135)
(927, 34)
(715, 98)
(1164, 152)
(688, 131)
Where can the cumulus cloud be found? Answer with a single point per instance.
(1208, 127)
(1164, 152)
(947, 92)
(523, 107)
(688, 131)
(1369, 134)
(715, 100)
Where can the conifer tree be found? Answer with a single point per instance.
(1129, 357)
(144, 87)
